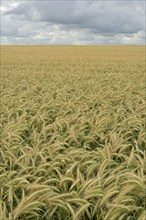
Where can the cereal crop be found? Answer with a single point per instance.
(73, 139)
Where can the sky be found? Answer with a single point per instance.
(67, 22)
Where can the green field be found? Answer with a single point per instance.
(73, 143)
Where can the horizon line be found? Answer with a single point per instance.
(72, 44)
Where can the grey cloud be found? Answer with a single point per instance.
(115, 17)
(83, 21)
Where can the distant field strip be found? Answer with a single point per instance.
(73, 141)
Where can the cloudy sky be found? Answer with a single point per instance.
(73, 22)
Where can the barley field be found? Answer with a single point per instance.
(73, 143)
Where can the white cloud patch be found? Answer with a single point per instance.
(72, 22)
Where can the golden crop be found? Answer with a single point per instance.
(72, 133)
